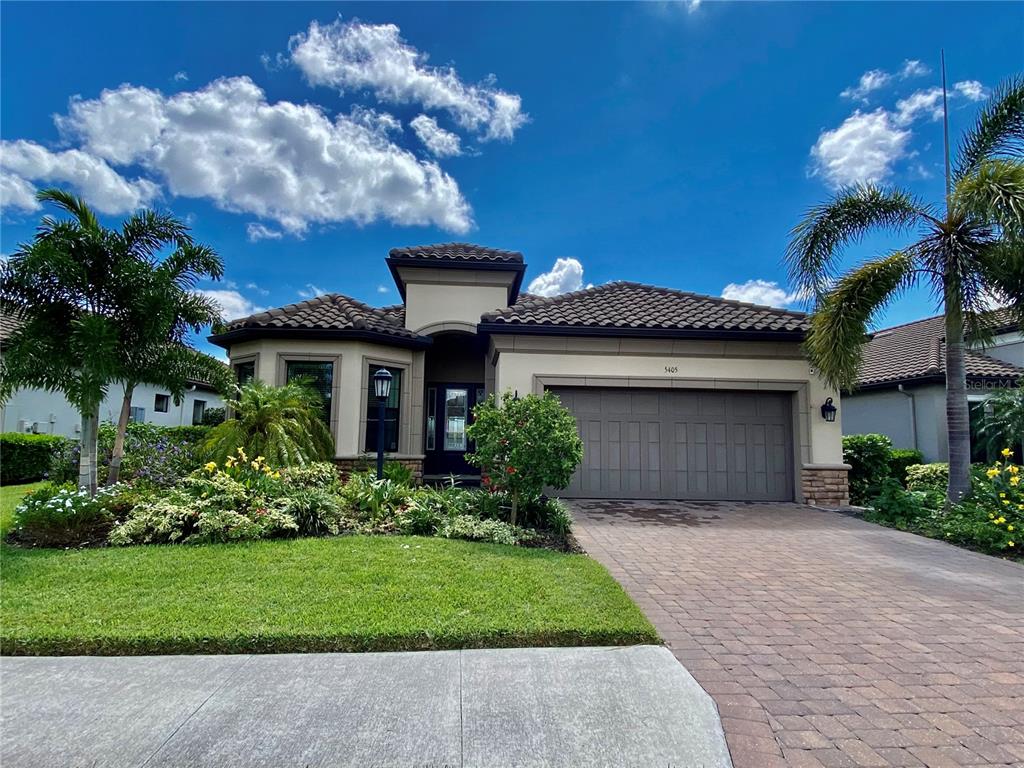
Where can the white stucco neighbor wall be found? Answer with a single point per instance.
(528, 364)
(351, 364)
(54, 415)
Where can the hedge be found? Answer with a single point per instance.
(25, 458)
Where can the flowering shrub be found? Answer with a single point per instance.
(63, 516)
(524, 444)
(475, 529)
(253, 474)
(178, 517)
(994, 513)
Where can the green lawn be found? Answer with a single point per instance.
(10, 497)
(342, 594)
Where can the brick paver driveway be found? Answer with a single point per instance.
(826, 640)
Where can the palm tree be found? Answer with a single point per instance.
(283, 424)
(968, 252)
(163, 309)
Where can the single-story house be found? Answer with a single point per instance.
(901, 389)
(49, 413)
(676, 395)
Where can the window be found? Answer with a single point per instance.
(137, 414)
(198, 411)
(392, 410)
(431, 418)
(318, 374)
(245, 372)
(162, 403)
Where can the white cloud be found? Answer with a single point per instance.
(311, 291)
(232, 303)
(285, 162)
(15, 192)
(913, 68)
(180, 77)
(768, 293)
(22, 162)
(927, 102)
(869, 82)
(971, 90)
(566, 275)
(255, 287)
(256, 232)
(437, 140)
(355, 56)
(383, 289)
(692, 6)
(862, 149)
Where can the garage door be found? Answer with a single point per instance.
(682, 444)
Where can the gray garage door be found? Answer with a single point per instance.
(682, 444)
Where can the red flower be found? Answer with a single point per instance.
(510, 470)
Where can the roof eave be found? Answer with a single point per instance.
(641, 333)
(237, 335)
(928, 378)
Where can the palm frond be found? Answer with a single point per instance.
(993, 192)
(998, 131)
(839, 327)
(818, 240)
(73, 204)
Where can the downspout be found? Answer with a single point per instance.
(913, 413)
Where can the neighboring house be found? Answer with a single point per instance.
(901, 390)
(49, 413)
(676, 395)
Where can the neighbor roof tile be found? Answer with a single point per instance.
(329, 312)
(461, 252)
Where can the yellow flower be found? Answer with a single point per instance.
(1001, 520)
(1005, 452)
(254, 464)
(1015, 480)
(991, 516)
(1011, 543)
(230, 462)
(260, 459)
(276, 475)
(1013, 469)
(992, 472)
(210, 466)
(1002, 495)
(1009, 527)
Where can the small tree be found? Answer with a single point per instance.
(1002, 423)
(524, 444)
(283, 424)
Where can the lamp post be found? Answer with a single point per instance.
(382, 388)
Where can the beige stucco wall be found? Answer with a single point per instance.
(351, 371)
(452, 299)
(528, 364)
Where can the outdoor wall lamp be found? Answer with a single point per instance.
(828, 410)
(381, 388)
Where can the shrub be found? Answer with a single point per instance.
(928, 477)
(63, 516)
(25, 458)
(899, 508)
(398, 473)
(319, 474)
(868, 457)
(993, 514)
(374, 503)
(316, 511)
(475, 529)
(524, 444)
(214, 416)
(557, 517)
(900, 459)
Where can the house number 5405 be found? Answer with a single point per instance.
(671, 369)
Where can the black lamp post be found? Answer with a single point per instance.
(381, 388)
(828, 410)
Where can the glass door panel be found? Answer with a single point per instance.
(456, 409)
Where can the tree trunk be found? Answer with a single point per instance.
(117, 454)
(957, 414)
(515, 508)
(88, 454)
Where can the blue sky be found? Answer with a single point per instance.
(673, 144)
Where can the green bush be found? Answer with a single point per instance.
(63, 516)
(900, 459)
(928, 477)
(524, 444)
(319, 474)
(316, 511)
(899, 508)
(374, 504)
(25, 458)
(214, 416)
(475, 529)
(868, 457)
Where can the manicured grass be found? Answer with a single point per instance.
(343, 594)
(10, 497)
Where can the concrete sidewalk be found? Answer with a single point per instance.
(518, 707)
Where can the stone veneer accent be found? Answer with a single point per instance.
(348, 465)
(826, 486)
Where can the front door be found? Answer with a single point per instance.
(449, 409)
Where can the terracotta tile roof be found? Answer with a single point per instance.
(624, 306)
(331, 312)
(8, 325)
(458, 252)
(918, 350)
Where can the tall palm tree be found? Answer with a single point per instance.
(162, 309)
(969, 252)
(283, 424)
